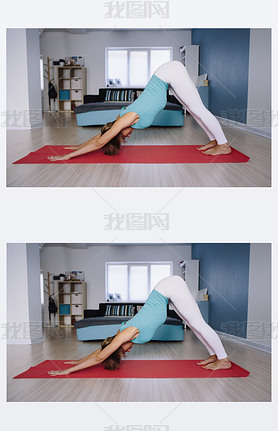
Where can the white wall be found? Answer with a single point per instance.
(259, 80)
(259, 297)
(24, 317)
(23, 79)
(17, 84)
(60, 44)
(92, 260)
(34, 81)
(17, 301)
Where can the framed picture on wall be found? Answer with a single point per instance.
(118, 82)
(110, 82)
(110, 297)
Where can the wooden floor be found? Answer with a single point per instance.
(62, 344)
(62, 130)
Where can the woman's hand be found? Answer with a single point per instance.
(56, 158)
(71, 147)
(59, 372)
(71, 362)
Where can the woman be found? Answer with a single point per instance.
(141, 113)
(141, 328)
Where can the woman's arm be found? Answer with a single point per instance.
(87, 147)
(99, 355)
(76, 147)
(83, 359)
(100, 140)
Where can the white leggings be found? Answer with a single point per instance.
(176, 75)
(180, 298)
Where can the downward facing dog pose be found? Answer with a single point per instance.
(141, 328)
(141, 113)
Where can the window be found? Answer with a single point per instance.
(135, 66)
(134, 281)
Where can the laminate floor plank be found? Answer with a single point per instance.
(62, 344)
(61, 129)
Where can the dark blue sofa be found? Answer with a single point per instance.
(106, 106)
(106, 321)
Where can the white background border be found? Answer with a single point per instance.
(196, 215)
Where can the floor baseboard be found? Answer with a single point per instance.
(266, 132)
(244, 341)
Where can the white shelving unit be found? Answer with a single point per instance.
(189, 57)
(189, 271)
(71, 87)
(72, 301)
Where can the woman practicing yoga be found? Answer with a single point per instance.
(141, 113)
(141, 328)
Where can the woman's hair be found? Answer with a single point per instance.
(112, 148)
(113, 361)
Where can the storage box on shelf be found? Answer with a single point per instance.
(72, 300)
(71, 87)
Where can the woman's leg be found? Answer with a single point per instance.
(197, 119)
(201, 338)
(176, 75)
(178, 293)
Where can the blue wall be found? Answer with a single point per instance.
(224, 56)
(224, 271)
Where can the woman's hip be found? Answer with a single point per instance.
(171, 71)
(170, 286)
(177, 77)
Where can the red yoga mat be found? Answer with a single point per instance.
(131, 369)
(136, 154)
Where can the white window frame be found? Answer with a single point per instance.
(129, 49)
(148, 264)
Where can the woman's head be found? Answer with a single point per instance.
(113, 361)
(112, 148)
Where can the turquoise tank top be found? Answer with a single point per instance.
(149, 103)
(151, 316)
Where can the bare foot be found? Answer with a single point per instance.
(55, 158)
(211, 144)
(218, 149)
(58, 372)
(219, 364)
(209, 360)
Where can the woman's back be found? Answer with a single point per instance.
(151, 316)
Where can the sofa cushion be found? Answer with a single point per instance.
(98, 321)
(99, 106)
(105, 106)
(112, 320)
